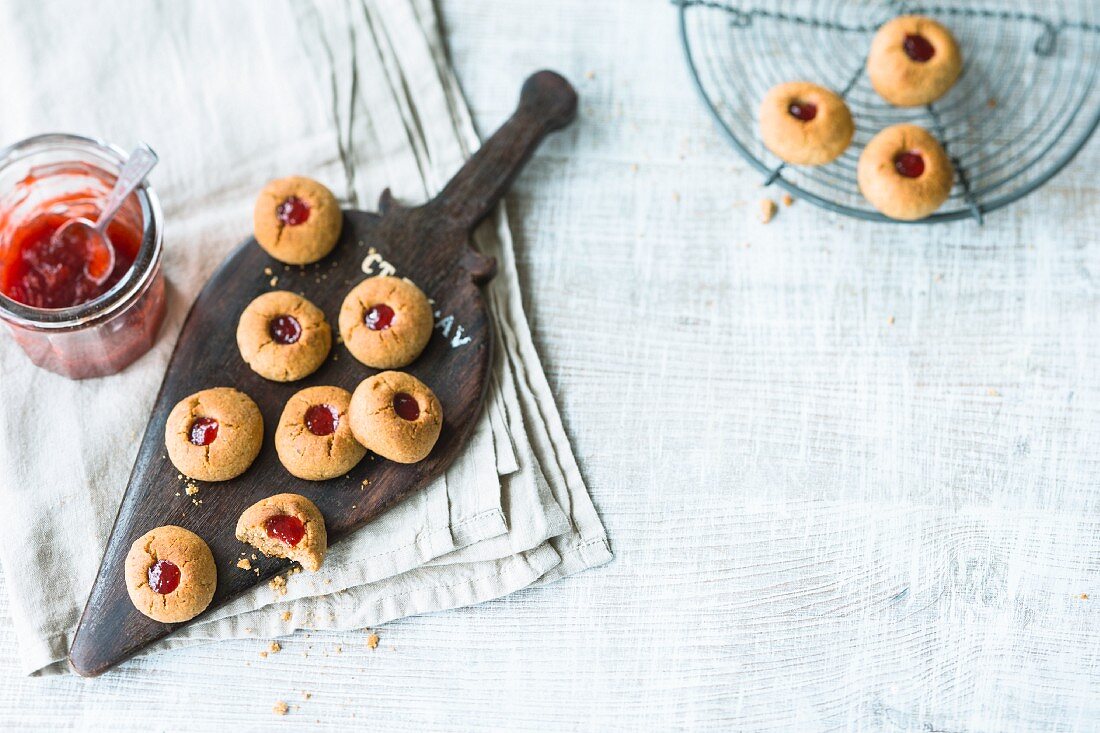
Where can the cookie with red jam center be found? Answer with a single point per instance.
(214, 435)
(386, 322)
(905, 173)
(397, 416)
(913, 61)
(286, 525)
(314, 439)
(170, 574)
(297, 220)
(283, 336)
(805, 124)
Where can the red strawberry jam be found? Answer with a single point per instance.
(405, 406)
(286, 528)
(284, 330)
(322, 419)
(379, 317)
(918, 48)
(909, 164)
(804, 111)
(292, 211)
(204, 431)
(42, 273)
(164, 577)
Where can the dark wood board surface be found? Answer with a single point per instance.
(428, 244)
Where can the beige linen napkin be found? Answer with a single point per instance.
(358, 95)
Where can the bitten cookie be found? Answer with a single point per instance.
(170, 574)
(283, 336)
(805, 124)
(386, 322)
(905, 173)
(913, 61)
(297, 220)
(395, 415)
(314, 439)
(214, 435)
(286, 525)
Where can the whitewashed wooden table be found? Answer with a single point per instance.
(850, 473)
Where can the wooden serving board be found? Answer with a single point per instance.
(429, 244)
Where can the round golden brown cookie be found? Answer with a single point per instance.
(805, 124)
(215, 434)
(283, 336)
(286, 525)
(395, 415)
(297, 220)
(170, 574)
(386, 322)
(314, 439)
(905, 173)
(913, 61)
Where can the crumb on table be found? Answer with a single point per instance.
(276, 647)
(767, 210)
(372, 641)
(280, 708)
(278, 584)
(286, 615)
(244, 564)
(787, 199)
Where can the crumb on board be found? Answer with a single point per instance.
(268, 272)
(244, 564)
(276, 647)
(278, 584)
(787, 199)
(191, 489)
(372, 641)
(274, 281)
(1084, 596)
(286, 615)
(280, 708)
(890, 320)
(263, 655)
(767, 210)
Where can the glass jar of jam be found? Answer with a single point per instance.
(64, 320)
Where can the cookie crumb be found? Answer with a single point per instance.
(890, 320)
(787, 199)
(306, 695)
(268, 272)
(633, 167)
(280, 708)
(276, 647)
(991, 103)
(767, 210)
(286, 615)
(590, 75)
(992, 392)
(1084, 596)
(339, 650)
(191, 489)
(263, 655)
(274, 281)
(676, 196)
(244, 564)
(278, 584)
(372, 641)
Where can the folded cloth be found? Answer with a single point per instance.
(359, 96)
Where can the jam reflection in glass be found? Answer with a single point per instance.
(63, 319)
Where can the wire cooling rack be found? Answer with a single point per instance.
(1025, 104)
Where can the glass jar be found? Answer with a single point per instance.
(60, 175)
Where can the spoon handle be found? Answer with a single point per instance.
(141, 161)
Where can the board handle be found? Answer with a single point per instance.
(547, 102)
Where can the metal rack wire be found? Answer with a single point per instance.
(1027, 100)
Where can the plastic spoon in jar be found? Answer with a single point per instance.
(100, 259)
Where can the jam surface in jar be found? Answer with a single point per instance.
(42, 273)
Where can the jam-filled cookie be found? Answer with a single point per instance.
(286, 525)
(395, 415)
(905, 173)
(170, 574)
(297, 220)
(805, 124)
(386, 322)
(215, 434)
(913, 61)
(283, 336)
(314, 439)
